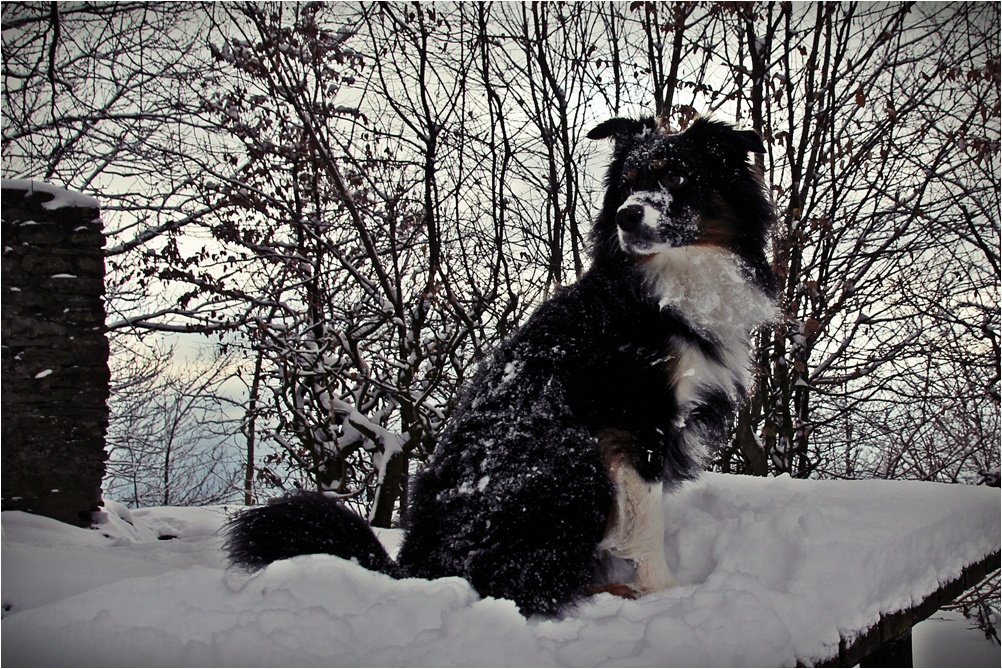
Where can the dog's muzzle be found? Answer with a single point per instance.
(630, 217)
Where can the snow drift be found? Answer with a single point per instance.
(774, 571)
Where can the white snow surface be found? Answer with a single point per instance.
(772, 572)
(62, 197)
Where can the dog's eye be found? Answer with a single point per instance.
(674, 181)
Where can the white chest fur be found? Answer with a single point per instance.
(707, 286)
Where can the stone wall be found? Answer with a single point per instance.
(54, 352)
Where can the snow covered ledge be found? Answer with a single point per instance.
(773, 572)
(846, 568)
(889, 642)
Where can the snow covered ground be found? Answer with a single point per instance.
(773, 570)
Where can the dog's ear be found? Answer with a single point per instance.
(724, 136)
(752, 141)
(621, 128)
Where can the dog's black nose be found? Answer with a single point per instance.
(629, 218)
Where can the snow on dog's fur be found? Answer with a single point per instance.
(546, 484)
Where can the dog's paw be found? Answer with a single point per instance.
(624, 590)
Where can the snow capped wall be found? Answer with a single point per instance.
(55, 354)
(49, 196)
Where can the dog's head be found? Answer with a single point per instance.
(695, 188)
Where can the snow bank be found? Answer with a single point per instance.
(773, 571)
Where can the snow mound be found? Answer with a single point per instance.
(772, 572)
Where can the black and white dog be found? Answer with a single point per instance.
(547, 484)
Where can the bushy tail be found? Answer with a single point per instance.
(304, 523)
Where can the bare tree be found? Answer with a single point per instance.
(171, 436)
(101, 97)
(361, 200)
(861, 113)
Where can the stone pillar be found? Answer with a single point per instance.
(54, 352)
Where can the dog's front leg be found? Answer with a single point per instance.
(636, 530)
